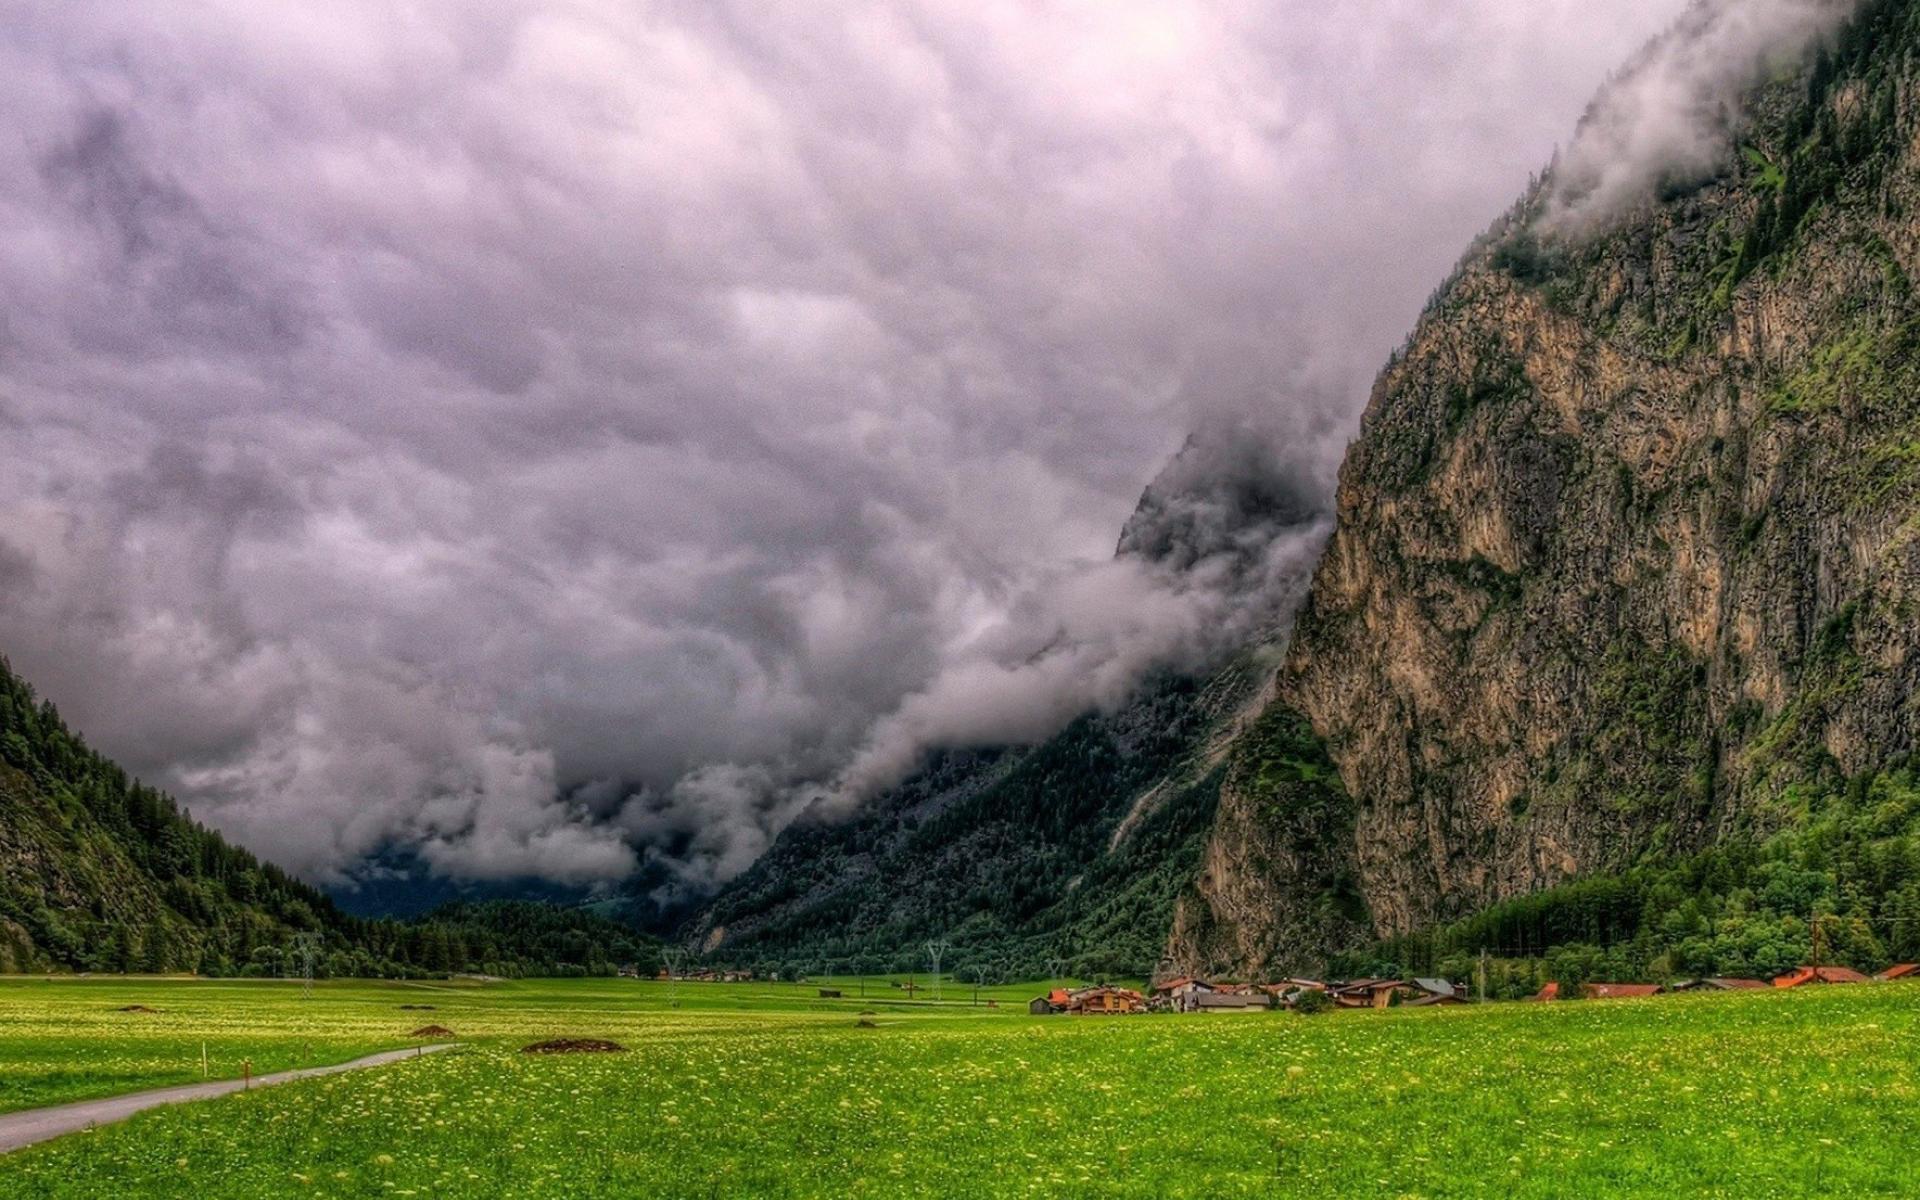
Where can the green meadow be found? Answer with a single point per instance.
(758, 1090)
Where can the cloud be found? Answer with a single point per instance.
(554, 438)
(1670, 113)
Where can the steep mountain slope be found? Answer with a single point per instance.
(100, 872)
(1082, 847)
(1073, 848)
(1626, 549)
(1623, 589)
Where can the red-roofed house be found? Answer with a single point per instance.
(1549, 992)
(1802, 975)
(1903, 971)
(1087, 1001)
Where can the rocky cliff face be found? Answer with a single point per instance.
(1626, 551)
(1627, 543)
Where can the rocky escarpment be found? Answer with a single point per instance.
(1627, 543)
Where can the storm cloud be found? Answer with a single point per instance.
(544, 438)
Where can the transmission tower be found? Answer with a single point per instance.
(306, 951)
(936, 950)
(674, 957)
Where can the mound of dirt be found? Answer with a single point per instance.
(575, 1046)
(416, 1008)
(136, 1008)
(433, 1031)
(863, 1023)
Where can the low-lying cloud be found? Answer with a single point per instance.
(553, 438)
(1670, 114)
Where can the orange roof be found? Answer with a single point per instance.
(1901, 971)
(1802, 975)
(1618, 991)
(1057, 996)
(1549, 992)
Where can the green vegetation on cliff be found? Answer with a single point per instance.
(1839, 881)
(1075, 849)
(1609, 651)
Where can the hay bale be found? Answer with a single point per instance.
(426, 1031)
(574, 1046)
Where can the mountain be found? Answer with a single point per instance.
(100, 872)
(1077, 849)
(1610, 664)
(1626, 573)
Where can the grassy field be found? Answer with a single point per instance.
(755, 1090)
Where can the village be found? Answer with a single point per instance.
(1191, 994)
(1187, 994)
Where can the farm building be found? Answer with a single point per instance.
(1040, 1006)
(1716, 985)
(1365, 993)
(1804, 975)
(1106, 1000)
(1231, 1002)
(1439, 989)
(1175, 986)
(1902, 971)
(1550, 992)
(1617, 991)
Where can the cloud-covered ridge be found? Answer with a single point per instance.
(1671, 113)
(556, 437)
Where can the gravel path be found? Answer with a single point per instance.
(38, 1124)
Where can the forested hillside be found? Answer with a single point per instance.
(1072, 850)
(100, 872)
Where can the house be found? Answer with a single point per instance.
(1040, 1006)
(1181, 993)
(1716, 985)
(1439, 990)
(1802, 975)
(1549, 992)
(629, 971)
(1617, 991)
(1106, 1000)
(1249, 1001)
(1286, 991)
(1365, 993)
(1176, 986)
(1059, 997)
(1902, 971)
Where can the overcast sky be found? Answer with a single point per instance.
(534, 434)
